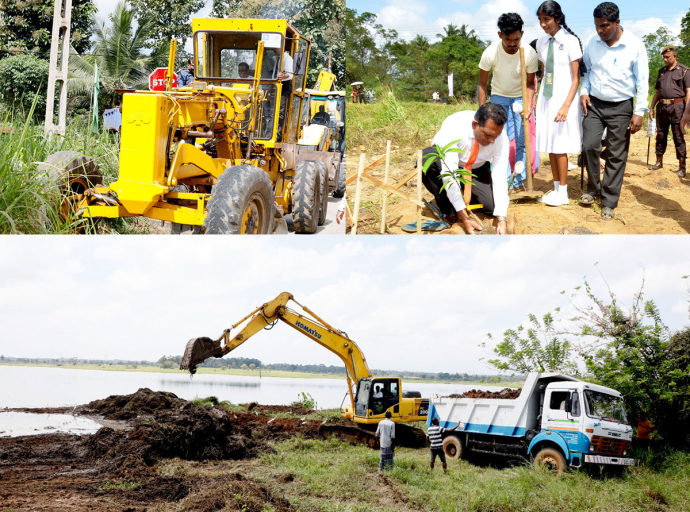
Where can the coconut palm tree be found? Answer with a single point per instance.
(119, 53)
(450, 30)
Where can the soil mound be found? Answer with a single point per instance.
(505, 394)
(124, 407)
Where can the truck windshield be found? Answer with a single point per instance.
(605, 407)
(232, 55)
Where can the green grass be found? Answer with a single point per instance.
(28, 201)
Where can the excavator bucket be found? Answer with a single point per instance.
(197, 351)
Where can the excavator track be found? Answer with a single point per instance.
(405, 435)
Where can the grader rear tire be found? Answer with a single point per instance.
(323, 206)
(342, 178)
(306, 194)
(242, 202)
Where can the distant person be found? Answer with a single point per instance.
(378, 392)
(434, 433)
(435, 96)
(243, 70)
(558, 106)
(186, 76)
(362, 94)
(386, 434)
(372, 96)
(617, 70)
(355, 94)
(485, 151)
(672, 88)
(503, 58)
(321, 117)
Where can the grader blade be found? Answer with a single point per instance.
(197, 351)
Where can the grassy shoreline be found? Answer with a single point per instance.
(249, 373)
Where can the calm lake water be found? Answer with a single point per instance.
(26, 386)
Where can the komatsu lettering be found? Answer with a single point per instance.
(307, 329)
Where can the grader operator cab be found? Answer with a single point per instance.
(218, 156)
(370, 397)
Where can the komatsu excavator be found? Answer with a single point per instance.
(370, 397)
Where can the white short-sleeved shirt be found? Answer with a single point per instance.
(566, 49)
(507, 78)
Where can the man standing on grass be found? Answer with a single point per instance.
(434, 433)
(613, 96)
(503, 58)
(386, 433)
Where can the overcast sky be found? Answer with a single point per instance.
(428, 17)
(410, 303)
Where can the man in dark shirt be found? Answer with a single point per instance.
(186, 76)
(672, 87)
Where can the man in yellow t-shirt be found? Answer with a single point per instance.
(503, 58)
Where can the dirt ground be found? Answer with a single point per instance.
(651, 202)
(117, 469)
(506, 394)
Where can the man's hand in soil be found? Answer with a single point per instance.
(635, 124)
(467, 223)
(585, 102)
(502, 228)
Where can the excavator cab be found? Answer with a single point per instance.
(376, 396)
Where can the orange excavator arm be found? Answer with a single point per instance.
(309, 324)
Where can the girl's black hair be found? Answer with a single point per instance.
(553, 10)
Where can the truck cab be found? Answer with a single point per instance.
(588, 422)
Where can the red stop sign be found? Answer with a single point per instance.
(158, 77)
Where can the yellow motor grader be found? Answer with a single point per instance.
(220, 155)
(370, 397)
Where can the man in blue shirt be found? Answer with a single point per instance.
(614, 97)
(186, 76)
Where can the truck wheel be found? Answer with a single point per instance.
(323, 207)
(452, 446)
(551, 458)
(242, 202)
(342, 178)
(306, 192)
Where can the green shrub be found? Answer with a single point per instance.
(304, 400)
(22, 77)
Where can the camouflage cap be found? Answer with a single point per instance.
(669, 48)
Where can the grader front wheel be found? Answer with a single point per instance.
(323, 206)
(306, 196)
(242, 202)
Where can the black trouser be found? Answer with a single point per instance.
(482, 186)
(669, 116)
(284, 99)
(615, 116)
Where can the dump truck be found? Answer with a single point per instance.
(220, 155)
(370, 397)
(557, 420)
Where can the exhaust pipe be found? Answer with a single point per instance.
(197, 351)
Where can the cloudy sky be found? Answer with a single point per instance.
(427, 17)
(410, 303)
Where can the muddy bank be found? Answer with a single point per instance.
(505, 394)
(73, 472)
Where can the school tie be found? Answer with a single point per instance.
(548, 74)
(467, 195)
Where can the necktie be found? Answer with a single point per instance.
(548, 74)
(467, 194)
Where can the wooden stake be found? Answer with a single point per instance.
(383, 192)
(358, 193)
(419, 192)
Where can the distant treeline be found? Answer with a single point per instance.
(255, 364)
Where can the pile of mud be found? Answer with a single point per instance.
(505, 394)
(124, 407)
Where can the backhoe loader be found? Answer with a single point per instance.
(370, 397)
(220, 155)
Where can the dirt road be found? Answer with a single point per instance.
(651, 202)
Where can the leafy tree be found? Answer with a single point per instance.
(167, 19)
(367, 61)
(535, 348)
(655, 43)
(28, 25)
(24, 76)
(244, 367)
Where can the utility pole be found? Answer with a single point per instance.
(59, 61)
(330, 58)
